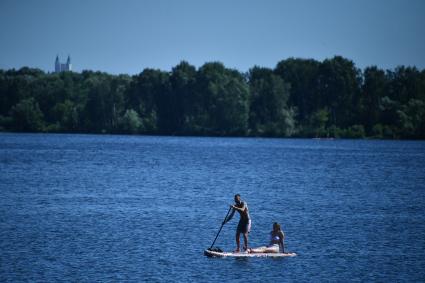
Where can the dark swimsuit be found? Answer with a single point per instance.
(243, 226)
(244, 222)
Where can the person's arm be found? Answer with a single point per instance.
(241, 209)
(281, 237)
(229, 217)
(271, 239)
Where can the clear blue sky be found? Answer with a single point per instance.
(128, 36)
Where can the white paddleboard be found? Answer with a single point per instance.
(245, 254)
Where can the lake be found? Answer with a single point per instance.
(88, 208)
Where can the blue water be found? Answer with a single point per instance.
(92, 208)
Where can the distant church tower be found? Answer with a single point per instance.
(59, 67)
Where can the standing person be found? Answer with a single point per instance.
(276, 242)
(244, 225)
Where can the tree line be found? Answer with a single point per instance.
(298, 98)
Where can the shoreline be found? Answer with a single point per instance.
(211, 136)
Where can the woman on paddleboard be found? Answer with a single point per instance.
(276, 242)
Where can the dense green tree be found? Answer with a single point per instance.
(147, 94)
(373, 90)
(319, 122)
(411, 119)
(224, 100)
(97, 112)
(27, 116)
(269, 113)
(15, 86)
(185, 103)
(300, 97)
(49, 91)
(405, 83)
(302, 76)
(389, 108)
(339, 90)
(130, 122)
(355, 132)
(67, 116)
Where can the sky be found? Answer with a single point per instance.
(127, 36)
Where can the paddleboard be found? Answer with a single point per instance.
(210, 253)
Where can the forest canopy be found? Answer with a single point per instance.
(298, 98)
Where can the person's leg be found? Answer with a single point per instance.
(257, 250)
(245, 239)
(272, 249)
(246, 231)
(264, 249)
(237, 241)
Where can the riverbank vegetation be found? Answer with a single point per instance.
(298, 98)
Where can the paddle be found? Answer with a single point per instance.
(222, 224)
